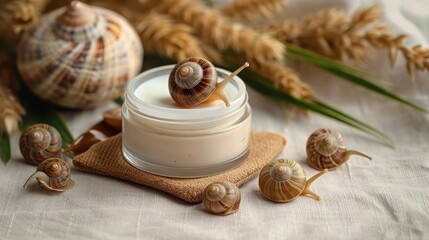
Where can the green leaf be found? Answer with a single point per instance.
(119, 101)
(39, 111)
(265, 86)
(5, 153)
(348, 73)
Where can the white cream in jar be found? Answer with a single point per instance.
(161, 137)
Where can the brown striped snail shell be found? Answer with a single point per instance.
(79, 56)
(53, 174)
(194, 81)
(327, 149)
(40, 142)
(283, 180)
(222, 198)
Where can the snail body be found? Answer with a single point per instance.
(113, 118)
(40, 142)
(79, 56)
(327, 149)
(222, 198)
(53, 174)
(101, 131)
(283, 180)
(194, 81)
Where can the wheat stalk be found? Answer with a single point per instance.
(127, 8)
(10, 108)
(216, 29)
(19, 15)
(161, 35)
(252, 9)
(284, 78)
(333, 34)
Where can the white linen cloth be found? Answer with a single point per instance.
(387, 198)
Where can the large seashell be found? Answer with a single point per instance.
(79, 56)
(53, 174)
(194, 81)
(222, 198)
(327, 149)
(40, 142)
(284, 180)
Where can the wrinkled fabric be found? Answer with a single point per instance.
(387, 198)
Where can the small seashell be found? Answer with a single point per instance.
(40, 142)
(53, 174)
(284, 180)
(79, 56)
(327, 149)
(222, 198)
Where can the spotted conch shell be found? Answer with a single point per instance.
(79, 56)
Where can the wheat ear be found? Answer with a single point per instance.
(19, 15)
(284, 78)
(161, 35)
(332, 33)
(10, 108)
(216, 29)
(252, 9)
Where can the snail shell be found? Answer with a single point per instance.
(79, 56)
(53, 174)
(40, 142)
(194, 81)
(327, 149)
(222, 198)
(284, 180)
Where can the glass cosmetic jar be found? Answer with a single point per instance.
(163, 138)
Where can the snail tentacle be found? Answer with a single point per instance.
(307, 191)
(354, 152)
(36, 175)
(219, 94)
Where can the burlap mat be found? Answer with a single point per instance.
(105, 158)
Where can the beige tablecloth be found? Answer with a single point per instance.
(387, 198)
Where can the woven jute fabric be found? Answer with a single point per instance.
(105, 158)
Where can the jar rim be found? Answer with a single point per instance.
(182, 114)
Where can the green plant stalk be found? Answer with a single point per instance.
(353, 75)
(264, 86)
(119, 101)
(39, 111)
(5, 152)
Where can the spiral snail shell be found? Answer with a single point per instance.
(79, 56)
(53, 174)
(194, 81)
(327, 149)
(40, 142)
(222, 198)
(283, 180)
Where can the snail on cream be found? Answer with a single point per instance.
(164, 138)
